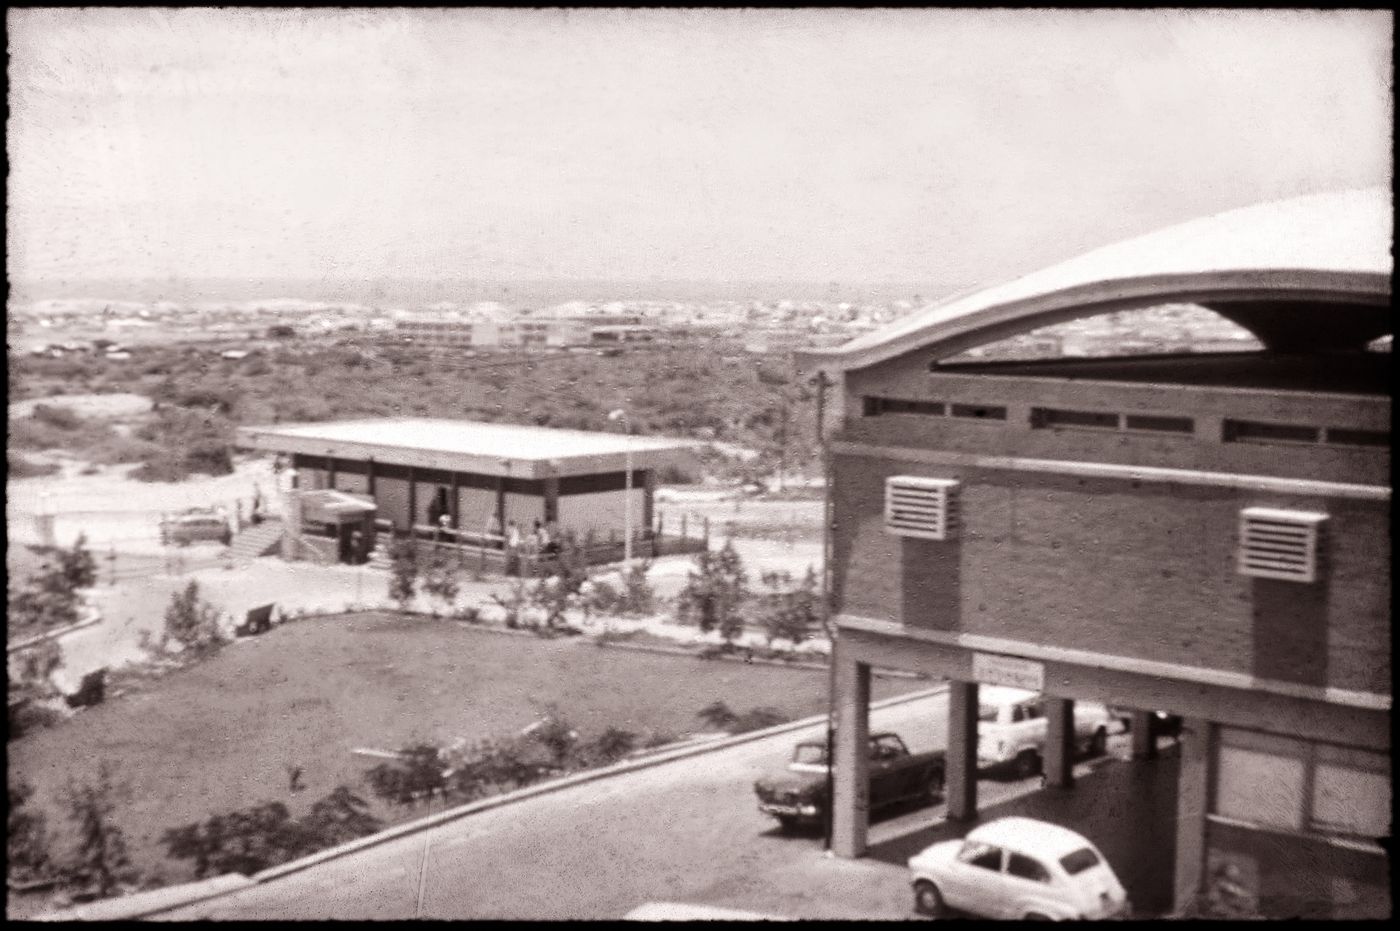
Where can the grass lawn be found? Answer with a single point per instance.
(218, 735)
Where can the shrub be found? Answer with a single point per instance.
(792, 615)
(243, 841)
(403, 570)
(27, 838)
(417, 775)
(99, 859)
(193, 622)
(714, 591)
(440, 576)
(720, 716)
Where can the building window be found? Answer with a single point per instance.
(1343, 436)
(1249, 431)
(979, 412)
(1158, 424)
(1298, 785)
(1051, 418)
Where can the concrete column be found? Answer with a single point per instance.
(452, 503)
(1059, 742)
(1192, 799)
(501, 502)
(850, 808)
(1144, 742)
(648, 514)
(551, 498)
(412, 501)
(961, 773)
(330, 471)
(369, 475)
(291, 533)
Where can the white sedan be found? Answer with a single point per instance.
(1015, 868)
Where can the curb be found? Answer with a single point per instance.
(55, 634)
(556, 785)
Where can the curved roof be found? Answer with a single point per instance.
(1332, 248)
(1029, 835)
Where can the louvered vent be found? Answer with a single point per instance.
(1278, 544)
(921, 507)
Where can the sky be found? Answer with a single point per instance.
(952, 146)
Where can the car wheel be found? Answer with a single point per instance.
(934, 788)
(927, 899)
(1098, 744)
(1027, 764)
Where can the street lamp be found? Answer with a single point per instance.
(621, 415)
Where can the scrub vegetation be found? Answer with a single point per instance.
(706, 392)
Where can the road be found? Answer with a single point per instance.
(682, 831)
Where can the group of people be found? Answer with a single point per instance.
(540, 539)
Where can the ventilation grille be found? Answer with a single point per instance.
(1277, 544)
(921, 507)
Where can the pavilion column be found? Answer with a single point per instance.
(501, 502)
(330, 471)
(1192, 795)
(850, 803)
(1144, 741)
(452, 502)
(1059, 743)
(648, 518)
(412, 501)
(369, 467)
(961, 764)
(551, 499)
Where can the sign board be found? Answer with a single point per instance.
(994, 669)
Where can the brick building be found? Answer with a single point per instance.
(1205, 534)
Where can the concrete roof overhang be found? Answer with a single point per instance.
(1313, 272)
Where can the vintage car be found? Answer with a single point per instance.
(799, 795)
(1012, 728)
(1017, 868)
(195, 525)
(1162, 723)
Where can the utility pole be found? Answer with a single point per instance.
(822, 383)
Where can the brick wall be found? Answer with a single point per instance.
(1121, 567)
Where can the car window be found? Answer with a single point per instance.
(1017, 714)
(888, 747)
(810, 753)
(987, 713)
(1033, 710)
(1079, 861)
(1027, 868)
(986, 856)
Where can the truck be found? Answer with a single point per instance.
(799, 795)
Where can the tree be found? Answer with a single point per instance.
(714, 592)
(244, 841)
(193, 622)
(417, 774)
(339, 817)
(638, 597)
(27, 838)
(100, 858)
(36, 665)
(792, 614)
(403, 570)
(440, 576)
(47, 598)
(78, 567)
(561, 590)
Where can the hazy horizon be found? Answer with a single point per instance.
(387, 291)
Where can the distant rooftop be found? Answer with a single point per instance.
(468, 446)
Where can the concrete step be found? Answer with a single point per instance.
(257, 541)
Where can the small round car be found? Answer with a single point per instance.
(1017, 868)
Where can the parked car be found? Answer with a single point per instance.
(1017, 868)
(1012, 729)
(799, 795)
(1163, 724)
(193, 526)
